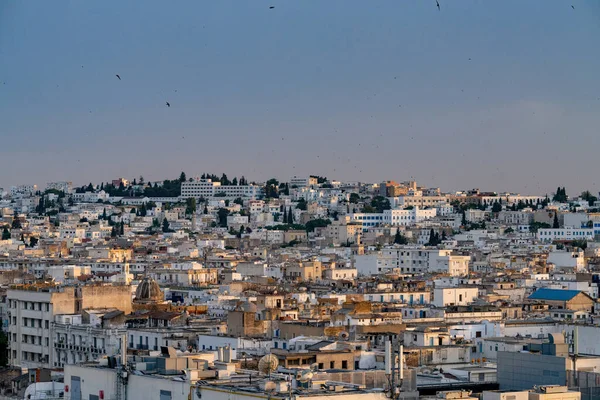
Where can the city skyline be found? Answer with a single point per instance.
(500, 96)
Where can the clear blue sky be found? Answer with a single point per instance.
(501, 95)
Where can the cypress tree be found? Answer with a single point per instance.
(290, 216)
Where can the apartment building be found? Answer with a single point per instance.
(66, 187)
(412, 261)
(32, 309)
(300, 182)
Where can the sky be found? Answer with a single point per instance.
(499, 95)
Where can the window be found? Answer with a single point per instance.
(331, 364)
(47, 324)
(344, 364)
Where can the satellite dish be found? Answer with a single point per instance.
(268, 364)
(343, 335)
(304, 376)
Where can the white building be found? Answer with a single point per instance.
(408, 260)
(459, 296)
(301, 182)
(396, 217)
(551, 234)
(206, 188)
(23, 190)
(75, 342)
(66, 187)
(567, 259)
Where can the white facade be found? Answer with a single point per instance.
(396, 217)
(23, 190)
(454, 296)
(207, 189)
(551, 234)
(66, 187)
(30, 321)
(575, 259)
(412, 261)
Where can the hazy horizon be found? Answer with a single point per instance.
(503, 96)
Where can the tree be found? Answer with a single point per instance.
(535, 226)
(354, 198)
(380, 203)
(16, 223)
(143, 210)
(464, 218)
(581, 243)
(205, 211)
(431, 241)
(222, 217)
(496, 207)
(182, 177)
(104, 214)
(290, 216)
(399, 238)
(444, 236)
(317, 223)
(242, 230)
(122, 228)
(555, 223)
(224, 180)
(113, 232)
(165, 226)
(591, 199)
(561, 195)
(33, 241)
(302, 204)
(90, 187)
(285, 216)
(190, 207)
(509, 230)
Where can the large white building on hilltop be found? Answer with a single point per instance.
(23, 190)
(394, 217)
(206, 188)
(66, 187)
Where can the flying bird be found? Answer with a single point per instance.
(271, 7)
(117, 75)
(438, 5)
(572, 6)
(168, 104)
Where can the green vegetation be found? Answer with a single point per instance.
(302, 204)
(317, 223)
(399, 238)
(535, 226)
(380, 204)
(586, 195)
(560, 195)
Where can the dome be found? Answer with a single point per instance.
(248, 307)
(148, 291)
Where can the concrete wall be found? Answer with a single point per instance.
(521, 371)
(118, 297)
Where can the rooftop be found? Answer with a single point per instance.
(553, 294)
